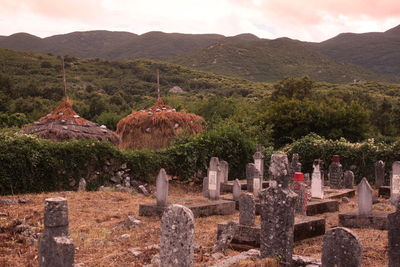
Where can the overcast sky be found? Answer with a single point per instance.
(306, 20)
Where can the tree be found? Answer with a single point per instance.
(298, 88)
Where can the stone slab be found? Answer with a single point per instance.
(218, 207)
(373, 220)
(315, 206)
(384, 191)
(339, 193)
(305, 227)
(228, 186)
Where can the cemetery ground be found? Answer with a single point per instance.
(94, 218)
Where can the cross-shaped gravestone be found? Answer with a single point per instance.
(379, 173)
(394, 237)
(162, 188)
(254, 181)
(348, 179)
(224, 166)
(317, 183)
(395, 183)
(336, 173)
(258, 158)
(364, 193)
(177, 237)
(279, 169)
(247, 209)
(236, 190)
(213, 179)
(341, 248)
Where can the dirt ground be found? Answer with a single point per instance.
(94, 216)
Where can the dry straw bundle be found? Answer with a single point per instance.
(64, 123)
(156, 127)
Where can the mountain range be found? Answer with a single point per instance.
(344, 58)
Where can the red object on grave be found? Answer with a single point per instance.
(336, 158)
(298, 176)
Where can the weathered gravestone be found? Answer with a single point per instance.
(247, 209)
(213, 179)
(317, 183)
(236, 190)
(394, 237)
(258, 158)
(254, 181)
(395, 183)
(301, 202)
(348, 179)
(379, 173)
(364, 192)
(307, 179)
(277, 224)
(162, 188)
(279, 170)
(225, 238)
(205, 187)
(341, 248)
(224, 166)
(295, 164)
(55, 247)
(177, 237)
(336, 173)
(82, 185)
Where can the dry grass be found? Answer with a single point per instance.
(93, 215)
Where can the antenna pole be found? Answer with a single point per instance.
(158, 84)
(65, 81)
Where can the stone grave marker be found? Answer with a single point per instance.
(177, 237)
(237, 190)
(394, 237)
(277, 223)
(379, 173)
(55, 247)
(247, 209)
(213, 179)
(205, 187)
(224, 166)
(364, 192)
(82, 185)
(279, 170)
(258, 158)
(348, 179)
(336, 173)
(307, 179)
(341, 248)
(317, 183)
(300, 189)
(253, 179)
(395, 183)
(295, 164)
(162, 188)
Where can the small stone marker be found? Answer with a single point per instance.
(295, 164)
(364, 192)
(341, 248)
(253, 179)
(395, 183)
(237, 190)
(348, 179)
(394, 237)
(258, 158)
(317, 184)
(336, 173)
(162, 188)
(177, 237)
(279, 170)
(277, 223)
(247, 209)
(205, 187)
(55, 247)
(224, 166)
(213, 179)
(379, 173)
(225, 238)
(82, 185)
(307, 179)
(300, 189)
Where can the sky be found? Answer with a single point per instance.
(306, 20)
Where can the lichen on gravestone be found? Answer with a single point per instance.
(279, 169)
(247, 209)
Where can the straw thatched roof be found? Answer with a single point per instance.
(156, 127)
(64, 123)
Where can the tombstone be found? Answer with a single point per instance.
(379, 173)
(213, 179)
(225, 238)
(295, 164)
(177, 237)
(237, 190)
(341, 248)
(277, 223)
(317, 184)
(394, 237)
(307, 179)
(258, 158)
(300, 189)
(364, 193)
(162, 188)
(253, 179)
(205, 187)
(224, 166)
(336, 173)
(348, 179)
(395, 183)
(55, 247)
(279, 170)
(82, 185)
(247, 209)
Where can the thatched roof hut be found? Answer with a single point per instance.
(64, 123)
(156, 127)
